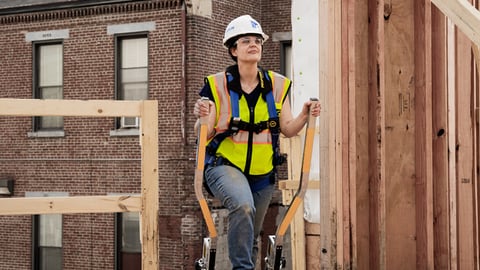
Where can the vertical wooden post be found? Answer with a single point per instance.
(327, 189)
(423, 135)
(440, 130)
(464, 152)
(376, 127)
(358, 99)
(150, 203)
(348, 178)
(452, 132)
(297, 226)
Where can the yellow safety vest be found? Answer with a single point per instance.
(236, 147)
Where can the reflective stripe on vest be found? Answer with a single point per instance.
(234, 148)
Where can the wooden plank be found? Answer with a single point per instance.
(328, 214)
(335, 83)
(440, 139)
(462, 14)
(63, 107)
(423, 130)
(150, 207)
(69, 205)
(376, 127)
(476, 87)
(464, 152)
(298, 239)
(452, 133)
(313, 252)
(361, 222)
(399, 141)
(347, 118)
(291, 146)
(293, 184)
(330, 74)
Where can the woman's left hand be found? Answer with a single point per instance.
(316, 109)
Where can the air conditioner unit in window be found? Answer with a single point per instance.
(129, 122)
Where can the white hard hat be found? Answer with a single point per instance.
(241, 26)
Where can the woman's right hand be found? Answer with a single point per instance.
(202, 108)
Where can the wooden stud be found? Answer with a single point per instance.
(452, 132)
(291, 146)
(464, 152)
(440, 139)
(336, 129)
(359, 170)
(149, 213)
(376, 127)
(423, 131)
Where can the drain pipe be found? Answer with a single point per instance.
(184, 73)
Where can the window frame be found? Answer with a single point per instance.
(119, 236)
(38, 131)
(283, 51)
(36, 252)
(119, 38)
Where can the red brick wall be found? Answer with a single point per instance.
(88, 161)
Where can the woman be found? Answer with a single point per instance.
(248, 107)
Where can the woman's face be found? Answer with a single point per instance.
(248, 49)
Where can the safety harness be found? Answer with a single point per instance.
(236, 124)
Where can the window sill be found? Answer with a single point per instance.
(125, 132)
(46, 134)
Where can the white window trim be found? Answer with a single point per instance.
(47, 35)
(130, 28)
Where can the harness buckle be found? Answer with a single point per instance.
(274, 125)
(234, 124)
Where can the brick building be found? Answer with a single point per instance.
(111, 49)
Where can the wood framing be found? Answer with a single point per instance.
(146, 203)
(423, 130)
(464, 15)
(288, 187)
(440, 140)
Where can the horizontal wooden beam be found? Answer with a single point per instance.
(62, 107)
(69, 205)
(464, 15)
(294, 184)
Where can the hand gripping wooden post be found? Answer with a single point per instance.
(210, 243)
(274, 259)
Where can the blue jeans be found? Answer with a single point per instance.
(246, 211)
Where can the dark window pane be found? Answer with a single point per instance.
(50, 258)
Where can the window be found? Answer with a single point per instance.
(132, 73)
(47, 242)
(286, 58)
(48, 81)
(129, 249)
